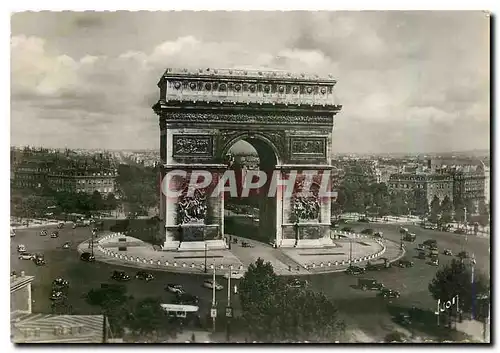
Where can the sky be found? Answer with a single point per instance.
(410, 82)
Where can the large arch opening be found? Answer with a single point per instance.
(254, 215)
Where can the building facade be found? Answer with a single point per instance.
(84, 181)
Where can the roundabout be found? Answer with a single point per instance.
(348, 248)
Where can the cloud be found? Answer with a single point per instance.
(406, 81)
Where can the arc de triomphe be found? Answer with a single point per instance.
(287, 118)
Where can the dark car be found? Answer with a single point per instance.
(244, 244)
(146, 276)
(405, 263)
(296, 283)
(448, 252)
(43, 232)
(186, 299)
(355, 270)
(120, 276)
(54, 234)
(367, 231)
(430, 243)
(39, 261)
(60, 283)
(369, 284)
(389, 293)
(378, 235)
(57, 295)
(88, 257)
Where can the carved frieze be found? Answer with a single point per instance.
(308, 146)
(292, 119)
(192, 146)
(305, 201)
(192, 209)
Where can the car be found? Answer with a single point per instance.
(433, 247)
(146, 276)
(234, 275)
(373, 267)
(429, 243)
(367, 231)
(364, 220)
(60, 283)
(186, 299)
(421, 247)
(175, 288)
(369, 284)
(378, 235)
(211, 284)
(26, 256)
(120, 276)
(463, 255)
(57, 295)
(39, 261)
(43, 232)
(296, 283)
(411, 237)
(355, 270)
(434, 262)
(245, 244)
(54, 234)
(66, 245)
(388, 293)
(21, 248)
(405, 263)
(448, 252)
(88, 257)
(60, 225)
(422, 255)
(459, 231)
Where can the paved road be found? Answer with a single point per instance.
(361, 309)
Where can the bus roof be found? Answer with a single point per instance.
(178, 307)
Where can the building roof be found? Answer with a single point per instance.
(17, 282)
(48, 328)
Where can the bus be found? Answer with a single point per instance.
(180, 311)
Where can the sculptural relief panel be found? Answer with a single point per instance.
(192, 146)
(306, 147)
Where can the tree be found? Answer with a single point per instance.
(274, 312)
(110, 202)
(484, 214)
(97, 201)
(398, 204)
(434, 210)
(459, 206)
(455, 279)
(446, 211)
(148, 317)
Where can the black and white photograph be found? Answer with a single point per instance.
(250, 177)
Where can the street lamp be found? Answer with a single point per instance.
(296, 228)
(205, 268)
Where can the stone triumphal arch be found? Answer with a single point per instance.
(287, 118)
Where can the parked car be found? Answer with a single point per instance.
(421, 247)
(211, 284)
(367, 231)
(175, 288)
(388, 293)
(234, 275)
(296, 283)
(88, 257)
(43, 233)
(66, 245)
(355, 270)
(120, 276)
(54, 234)
(429, 243)
(21, 248)
(186, 299)
(448, 252)
(26, 256)
(60, 283)
(146, 276)
(369, 284)
(405, 263)
(245, 244)
(411, 237)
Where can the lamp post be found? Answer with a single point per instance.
(296, 228)
(350, 252)
(205, 268)
(92, 241)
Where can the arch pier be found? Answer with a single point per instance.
(287, 118)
